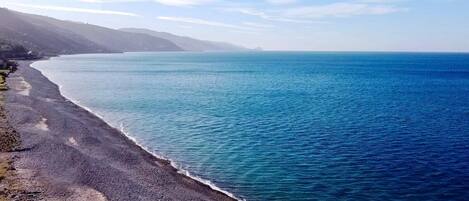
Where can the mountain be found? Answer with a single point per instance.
(49, 40)
(109, 38)
(187, 43)
(50, 36)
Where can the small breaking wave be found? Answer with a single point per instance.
(178, 167)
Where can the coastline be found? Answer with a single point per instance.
(85, 166)
(121, 128)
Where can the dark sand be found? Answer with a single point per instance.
(67, 153)
(11, 183)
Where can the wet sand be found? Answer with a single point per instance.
(67, 153)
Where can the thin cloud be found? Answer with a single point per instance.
(270, 17)
(380, 1)
(201, 22)
(164, 2)
(258, 25)
(184, 2)
(315, 14)
(281, 2)
(76, 10)
(109, 1)
(339, 10)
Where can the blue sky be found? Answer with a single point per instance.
(324, 25)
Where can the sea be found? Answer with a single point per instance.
(289, 126)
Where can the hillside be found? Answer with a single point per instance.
(12, 50)
(49, 36)
(109, 38)
(49, 40)
(187, 43)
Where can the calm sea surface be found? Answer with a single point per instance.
(290, 126)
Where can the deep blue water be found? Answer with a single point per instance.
(290, 126)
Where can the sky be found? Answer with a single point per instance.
(318, 25)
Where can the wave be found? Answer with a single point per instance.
(178, 167)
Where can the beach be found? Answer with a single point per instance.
(68, 153)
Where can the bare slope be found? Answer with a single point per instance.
(187, 43)
(46, 39)
(51, 36)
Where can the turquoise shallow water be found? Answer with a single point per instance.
(290, 125)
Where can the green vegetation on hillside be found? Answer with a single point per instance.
(6, 67)
(9, 50)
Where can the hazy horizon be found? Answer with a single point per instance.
(282, 25)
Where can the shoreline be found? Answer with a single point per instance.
(180, 184)
(121, 128)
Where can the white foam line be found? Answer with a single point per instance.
(179, 169)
